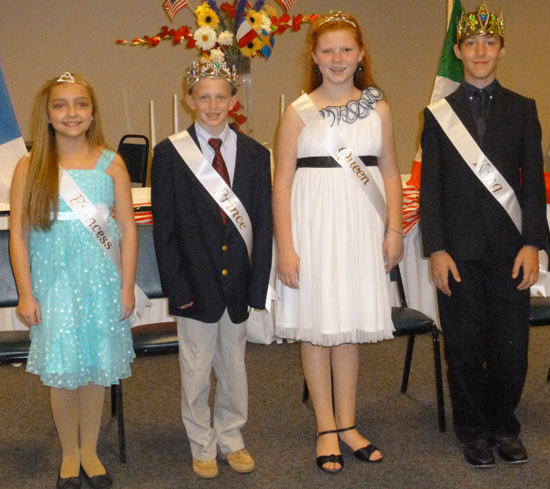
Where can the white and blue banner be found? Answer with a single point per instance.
(12, 146)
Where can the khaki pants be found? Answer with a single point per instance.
(203, 346)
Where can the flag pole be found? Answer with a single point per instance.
(449, 11)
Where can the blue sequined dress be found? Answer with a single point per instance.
(81, 338)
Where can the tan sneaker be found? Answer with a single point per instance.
(205, 469)
(241, 461)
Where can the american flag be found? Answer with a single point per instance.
(288, 3)
(172, 7)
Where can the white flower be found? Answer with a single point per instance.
(225, 38)
(216, 55)
(266, 23)
(205, 37)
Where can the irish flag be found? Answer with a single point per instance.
(449, 76)
(12, 146)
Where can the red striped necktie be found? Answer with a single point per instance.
(219, 165)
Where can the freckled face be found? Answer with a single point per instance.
(337, 55)
(70, 109)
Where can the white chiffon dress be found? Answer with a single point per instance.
(343, 294)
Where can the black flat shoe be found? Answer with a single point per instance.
(511, 450)
(479, 454)
(103, 481)
(68, 483)
(332, 458)
(364, 453)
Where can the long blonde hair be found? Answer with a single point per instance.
(361, 79)
(41, 195)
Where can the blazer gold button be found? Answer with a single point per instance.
(224, 272)
(224, 248)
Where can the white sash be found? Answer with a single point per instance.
(338, 149)
(472, 154)
(91, 217)
(215, 185)
(487, 174)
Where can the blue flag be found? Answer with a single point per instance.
(12, 146)
(267, 43)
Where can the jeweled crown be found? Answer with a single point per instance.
(211, 69)
(481, 22)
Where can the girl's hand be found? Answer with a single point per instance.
(289, 269)
(28, 310)
(128, 302)
(392, 250)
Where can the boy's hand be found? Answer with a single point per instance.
(441, 264)
(528, 259)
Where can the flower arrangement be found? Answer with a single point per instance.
(236, 31)
(232, 30)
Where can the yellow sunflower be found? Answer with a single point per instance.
(254, 19)
(206, 17)
(252, 48)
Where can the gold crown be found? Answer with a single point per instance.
(211, 69)
(481, 22)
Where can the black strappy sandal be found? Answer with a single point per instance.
(364, 453)
(333, 458)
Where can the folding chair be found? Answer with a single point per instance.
(134, 149)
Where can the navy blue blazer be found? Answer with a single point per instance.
(200, 259)
(457, 213)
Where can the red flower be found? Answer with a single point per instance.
(120, 41)
(296, 22)
(281, 23)
(164, 32)
(191, 43)
(229, 9)
(179, 34)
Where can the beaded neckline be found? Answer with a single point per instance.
(354, 109)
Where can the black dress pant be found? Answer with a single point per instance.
(485, 326)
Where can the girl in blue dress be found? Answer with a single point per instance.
(71, 293)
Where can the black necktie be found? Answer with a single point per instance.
(482, 113)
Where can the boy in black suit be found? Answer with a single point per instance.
(211, 197)
(482, 209)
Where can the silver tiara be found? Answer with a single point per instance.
(66, 78)
(211, 69)
(338, 17)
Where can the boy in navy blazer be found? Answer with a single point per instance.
(214, 258)
(483, 248)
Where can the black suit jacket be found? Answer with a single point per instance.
(457, 213)
(192, 244)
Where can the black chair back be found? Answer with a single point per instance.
(134, 150)
(8, 290)
(147, 274)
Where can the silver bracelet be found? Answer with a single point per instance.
(401, 233)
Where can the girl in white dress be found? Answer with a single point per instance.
(334, 249)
